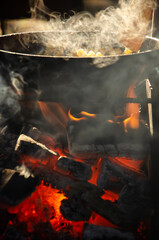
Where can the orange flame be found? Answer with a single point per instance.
(132, 111)
(54, 113)
(88, 114)
(74, 118)
(84, 113)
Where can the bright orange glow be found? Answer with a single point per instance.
(74, 118)
(54, 113)
(88, 114)
(44, 206)
(132, 111)
(84, 113)
(134, 165)
(34, 163)
(101, 221)
(95, 171)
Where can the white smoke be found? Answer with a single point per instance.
(105, 32)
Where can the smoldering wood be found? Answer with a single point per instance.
(15, 186)
(94, 232)
(90, 153)
(7, 145)
(110, 150)
(87, 192)
(79, 170)
(135, 202)
(31, 131)
(105, 208)
(119, 174)
(133, 151)
(87, 152)
(27, 145)
(73, 209)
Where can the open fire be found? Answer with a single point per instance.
(75, 193)
(76, 151)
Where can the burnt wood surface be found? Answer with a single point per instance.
(79, 170)
(16, 186)
(74, 209)
(93, 232)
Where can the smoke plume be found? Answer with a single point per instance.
(108, 32)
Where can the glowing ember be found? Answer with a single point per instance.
(134, 165)
(44, 206)
(95, 171)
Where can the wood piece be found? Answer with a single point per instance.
(94, 232)
(133, 151)
(74, 210)
(104, 208)
(135, 202)
(86, 152)
(79, 170)
(27, 145)
(110, 150)
(16, 185)
(113, 176)
(88, 193)
(13, 232)
(31, 131)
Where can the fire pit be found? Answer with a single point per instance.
(75, 146)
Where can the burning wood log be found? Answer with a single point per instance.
(86, 138)
(105, 208)
(93, 232)
(29, 146)
(79, 170)
(113, 174)
(88, 193)
(133, 151)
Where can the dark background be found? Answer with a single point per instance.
(20, 8)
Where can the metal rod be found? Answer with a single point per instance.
(148, 93)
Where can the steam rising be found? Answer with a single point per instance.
(104, 32)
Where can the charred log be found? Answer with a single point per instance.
(88, 193)
(93, 232)
(113, 175)
(27, 145)
(105, 208)
(13, 233)
(135, 203)
(16, 185)
(74, 210)
(133, 151)
(79, 170)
